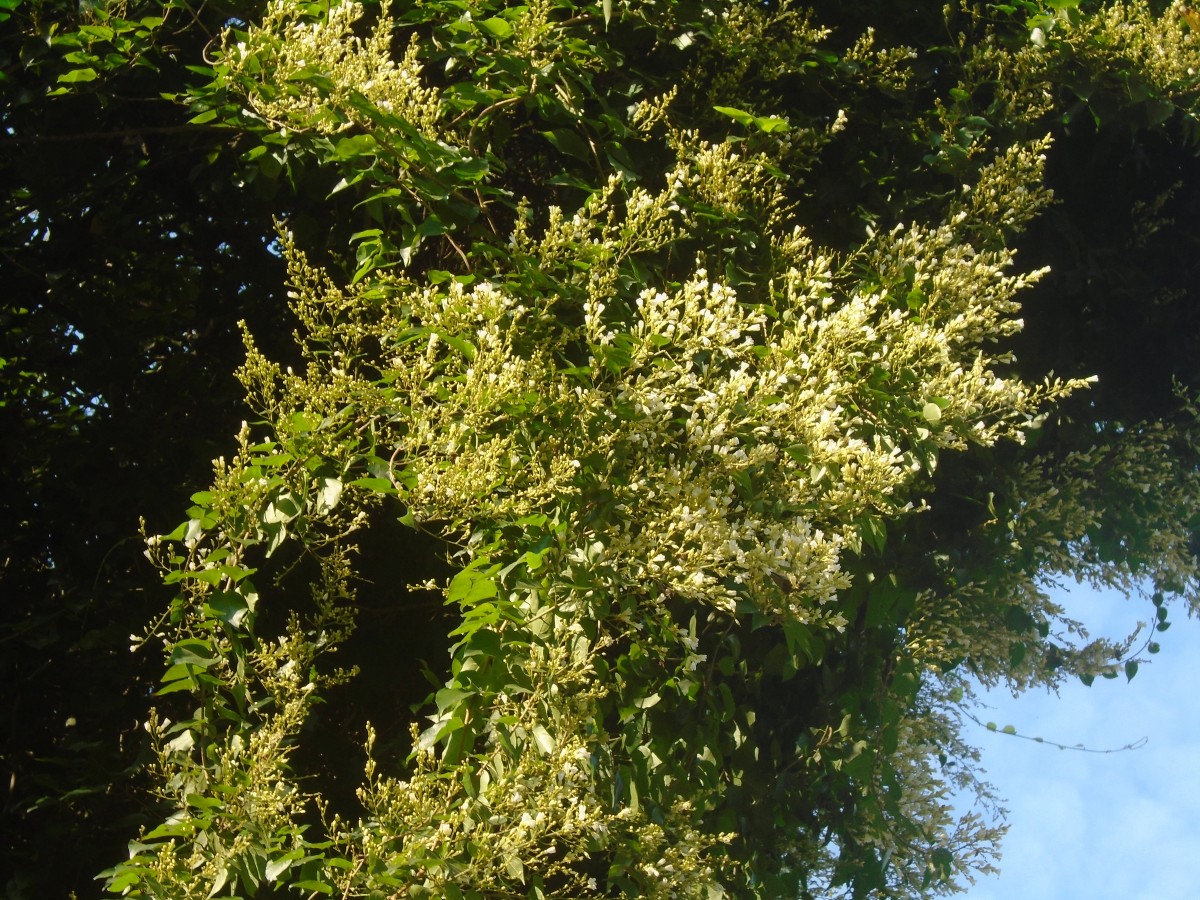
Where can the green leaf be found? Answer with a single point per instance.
(740, 116)
(282, 509)
(182, 684)
(448, 697)
(76, 76)
(193, 652)
(274, 460)
(178, 671)
(496, 27)
(515, 867)
(304, 422)
(1131, 669)
(1016, 654)
(463, 346)
(207, 116)
(943, 862)
(470, 586)
(219, 882)
(229, 607)
(277, 867)
(544, 741)
(200, 801)
(377, 485)
(471, 170)
(125, 880)
(766, 124)
(329, 491)
(98, 32)
(569, 142)
(874, 533)
(184, 742)
(771, 124)
(1017, 618)
(319, 887)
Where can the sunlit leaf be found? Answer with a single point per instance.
(496, 27)
(76, 76)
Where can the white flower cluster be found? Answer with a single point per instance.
(739, 449)
(311, 69)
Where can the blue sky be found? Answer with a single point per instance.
(1120, 826)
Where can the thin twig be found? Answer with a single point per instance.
(1135, 745)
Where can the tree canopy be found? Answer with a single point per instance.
(656, 420)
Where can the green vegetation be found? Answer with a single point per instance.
(659, 418)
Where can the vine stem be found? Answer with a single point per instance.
(1079, 748)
